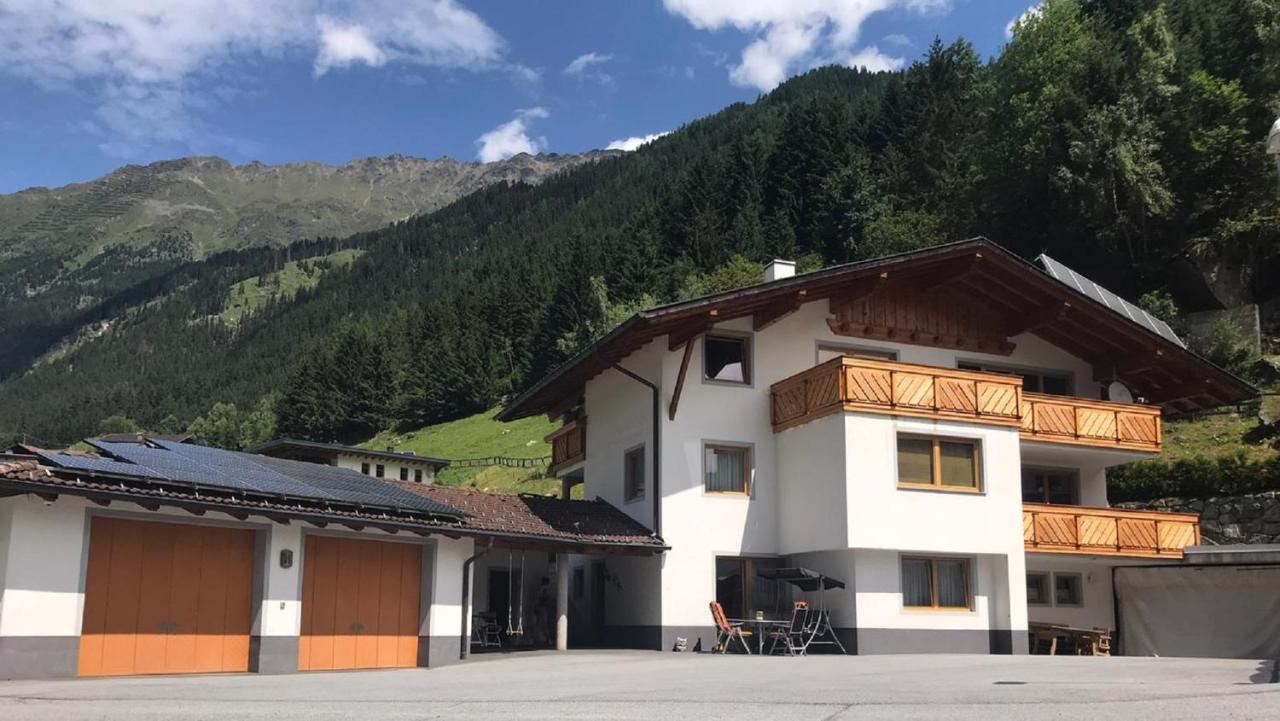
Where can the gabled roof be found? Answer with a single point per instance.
(589, 523)
(1026, 297)
(284, 446)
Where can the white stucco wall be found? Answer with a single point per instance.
(446, 614)
(391, 469)
(813, 499)
(42, 594)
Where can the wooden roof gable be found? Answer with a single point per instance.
(1012, 295)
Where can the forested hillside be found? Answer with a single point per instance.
(74, 259)
(1124, 138)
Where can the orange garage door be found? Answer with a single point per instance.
(166, 598)
(359, 604)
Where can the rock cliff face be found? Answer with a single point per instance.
(1230, 519)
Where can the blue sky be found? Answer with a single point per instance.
(96, 84)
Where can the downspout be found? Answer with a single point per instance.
(465, 651)
(657, 455)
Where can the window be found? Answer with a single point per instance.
(742, 592)
(417, 475)
(949, 464)
(1035, 381)
(380, 471)
(1037, 588)
(1050, 486)
(828, 351)
(579, 582)
(1066, 589)
(941, 583)
(404, 474)
(633, 474)
(1054, 589)
(727, 469)
(364, 468)
(726, 359)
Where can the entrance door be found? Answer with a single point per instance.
(360, 602)
(166, 598)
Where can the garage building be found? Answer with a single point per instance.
(160, 557)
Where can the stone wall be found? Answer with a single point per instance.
(1229, 519)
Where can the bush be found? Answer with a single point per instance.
(1192, 478)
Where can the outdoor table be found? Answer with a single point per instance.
(761, 626)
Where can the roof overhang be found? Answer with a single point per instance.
(1029, 300)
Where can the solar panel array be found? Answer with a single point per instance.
(1117, 304)
(188, 464)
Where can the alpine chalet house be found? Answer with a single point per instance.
(933, 428)
(388, 464)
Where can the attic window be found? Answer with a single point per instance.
(726, 359)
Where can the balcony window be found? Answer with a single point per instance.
(741, 592)
(949, 464)
(726, 359)
(727, 469)
(633, 474)
(936, 583)
(1035, 381)
(1050, 486)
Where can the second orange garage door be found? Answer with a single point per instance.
(360, 602)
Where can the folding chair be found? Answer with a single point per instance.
(795, 636)
(726, 632)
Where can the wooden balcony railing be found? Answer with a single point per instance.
(857, 384)
(903, 389)
(1061, 419)
(1107, 531)
(568, 445)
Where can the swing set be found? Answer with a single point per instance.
(516, 629)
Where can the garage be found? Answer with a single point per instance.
(360, 604)
(166, 598)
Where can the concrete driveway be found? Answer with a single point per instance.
(654, 687)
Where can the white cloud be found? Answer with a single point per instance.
(634, 141)
(1031, 12)
(343, 45)
(582, 62)
(512, 137)
(797, 34)
(898, 39)
(149, 64)
(871, 59)
(583, 67)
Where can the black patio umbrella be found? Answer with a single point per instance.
(805, 579)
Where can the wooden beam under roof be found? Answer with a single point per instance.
(684, 369)
(1038, 318)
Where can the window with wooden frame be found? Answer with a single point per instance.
(1037, 588)
(727, 469)
(942, 464)
(936, 584)
(726, 359)
(1047, 485)
(633, 474)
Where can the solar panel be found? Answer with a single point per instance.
(1119, 305)
(189, 464)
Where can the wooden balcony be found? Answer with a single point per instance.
(568, 445)
(1061, 419)
(1078, 530)
(904, 389)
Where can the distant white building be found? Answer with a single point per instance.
(388, 464)
(931, 428)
